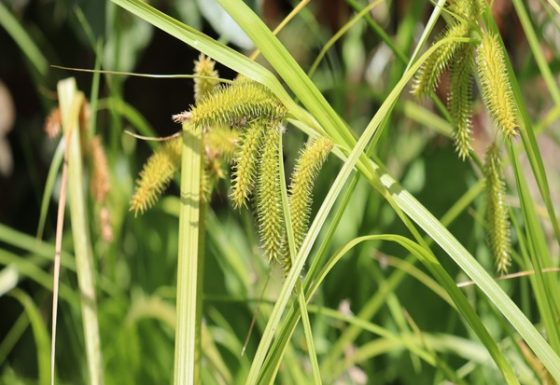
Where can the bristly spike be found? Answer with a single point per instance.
(245, 163)
(429, 73)
(459, 100)
(156, 174)
(306, 169)
(497, 215)
(496, 88)
(269, 200)
(467, 10)
(237, 105)
(207, 83)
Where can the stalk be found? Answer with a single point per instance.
(71, 101)
(189, 283)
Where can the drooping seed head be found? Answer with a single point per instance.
(237, 105)
(269, 199)
(496, 210)
(306, 169)
(460, 101)
(156, 174)
(496, 88)
(429, 73)
(246, 163)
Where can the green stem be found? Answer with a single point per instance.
(70, 104)
(187, 349)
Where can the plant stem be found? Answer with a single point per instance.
(187, 349)
(70, 104)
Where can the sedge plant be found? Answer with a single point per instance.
(471, 37)
(233, 140)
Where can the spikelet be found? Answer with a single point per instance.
(306, 169)
(99, 182)
(237, 105)
(429, 73)
(245, 163)
(467, 10)
(158, 171)
(459, 101)
(207, 83)
(269, 200)
(497, 214)
(496, 89)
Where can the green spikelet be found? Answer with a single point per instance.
(269, 200)
(156, 174)
(459, 101)
(306, 169)
(204, 86)
(429, 73)
(236, 105)
(496, 89)
(497, 215)
(245, 163)
(467, 10)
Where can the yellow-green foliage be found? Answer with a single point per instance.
(237, 105)
(245, 163)
(207, 81)
(429, 73)
(158, 171)
(496, 89)
(459, 100)
(307, 167)
(269, 199)
(497, 215)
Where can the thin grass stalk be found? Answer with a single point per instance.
(49, 187)
(187, 335)
(13, 335)
(358, 17)
(58, 248)
(70, 104)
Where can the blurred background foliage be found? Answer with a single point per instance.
(136, 264)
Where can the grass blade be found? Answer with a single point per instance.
(24, 41)
(40, 333)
